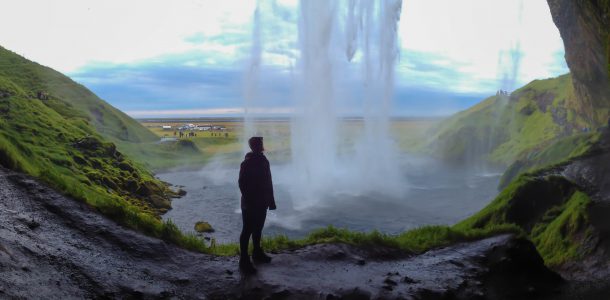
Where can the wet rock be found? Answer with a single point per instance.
(456, 263)
(337, 255)
(389, 281)
(28, 221)
(409, 280)
(203, 226)
(515, 270)
(585, 29)
(285, 294)
(101, 259)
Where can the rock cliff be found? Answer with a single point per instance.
(585, 29)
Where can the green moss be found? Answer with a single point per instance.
(202, 226)
(559, 151)
(503, 129)
(560, 235)
(55, 139)
(34, 78)
(550, 210)
(413, 241)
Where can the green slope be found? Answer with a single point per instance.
(59, 132)
(560, 151)
(109, 121)
(549, 209)
(502, 129)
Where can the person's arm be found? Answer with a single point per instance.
(270, 188)
(240, 181)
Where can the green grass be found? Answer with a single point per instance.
(109, 121)
(161, 156)
(413, 241)
(58, 140)
(550, 210)
(560, 151)
(559, 237)
(500, 130)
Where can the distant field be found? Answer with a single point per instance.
(407, 133)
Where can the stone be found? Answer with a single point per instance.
(203, 226)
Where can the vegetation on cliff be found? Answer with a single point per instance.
(504, 128)
(549, 209)
(58, 131)
(559, 152)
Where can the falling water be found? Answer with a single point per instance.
(334, 36)
(380, 54)
(373, 166)
(252, 78)
(509, 63)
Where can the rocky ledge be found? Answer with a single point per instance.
(54, 247)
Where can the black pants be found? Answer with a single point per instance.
(253, 222)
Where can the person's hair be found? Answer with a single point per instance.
(256, 143)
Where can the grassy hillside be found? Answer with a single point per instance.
(502, 129)
(47, 132)
(107, 120)
(560, 151)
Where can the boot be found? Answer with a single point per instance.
(260, 257)
(246, 266)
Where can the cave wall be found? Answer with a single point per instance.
(584, 26)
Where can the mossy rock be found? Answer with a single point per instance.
(159, 202)
(125, 166)
(79, 160)
(131, 185)
(202, 227)
(88, 143)
(551, 210)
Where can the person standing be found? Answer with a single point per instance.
(256, 189)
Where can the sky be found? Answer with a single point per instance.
(153, 58)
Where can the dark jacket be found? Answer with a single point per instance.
(255, 182)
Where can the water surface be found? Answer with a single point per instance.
(435, 194)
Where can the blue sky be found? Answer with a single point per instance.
(189, 57)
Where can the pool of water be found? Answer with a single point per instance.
(435, 194)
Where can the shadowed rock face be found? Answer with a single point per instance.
(585, 29)
(592, 172)
(54, 247)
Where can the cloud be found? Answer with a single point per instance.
(170, 82)
(149, 55)
(168, 86)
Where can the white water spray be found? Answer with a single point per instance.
(252, 78)
(331, 35)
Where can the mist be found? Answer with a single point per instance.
(333, 37)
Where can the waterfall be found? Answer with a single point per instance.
(251, 80)
(334, 36)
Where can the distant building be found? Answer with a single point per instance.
(166, 127)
